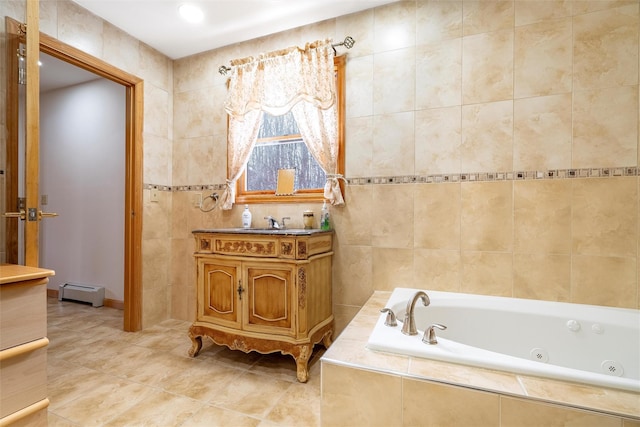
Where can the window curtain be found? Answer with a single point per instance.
(298, 80)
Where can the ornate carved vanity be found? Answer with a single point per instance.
(265, 291)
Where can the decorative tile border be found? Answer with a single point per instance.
(498, 176)
(204, 187)
(453, 177)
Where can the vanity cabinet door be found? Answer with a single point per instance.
(269, 299)
(218, 294)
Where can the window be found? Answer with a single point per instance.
(280, 146)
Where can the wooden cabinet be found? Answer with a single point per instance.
(248, 295)
(23, 345)
(264, 292)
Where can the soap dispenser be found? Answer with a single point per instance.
(246, 217)
(325, 224)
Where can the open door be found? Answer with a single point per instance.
(22, 55)
(27, 214)
(23, 147)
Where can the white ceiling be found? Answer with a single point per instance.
(158, 24)
(56, 74)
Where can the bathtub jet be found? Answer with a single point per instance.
(573, 342)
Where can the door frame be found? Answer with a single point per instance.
(134, 93)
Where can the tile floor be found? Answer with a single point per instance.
(99, 375)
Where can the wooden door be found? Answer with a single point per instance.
(218, 292)
(133, 175)
(22, 53)
(270, 298)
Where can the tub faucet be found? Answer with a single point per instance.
(409, 324)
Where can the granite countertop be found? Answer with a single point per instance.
(264, 231)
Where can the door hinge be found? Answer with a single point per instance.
(22, 66)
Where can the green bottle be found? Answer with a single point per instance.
(325, 224)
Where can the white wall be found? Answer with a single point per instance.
(82, 143)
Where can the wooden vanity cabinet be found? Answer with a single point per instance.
(264, 293)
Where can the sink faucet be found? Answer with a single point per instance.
(409, 324)
(272, 222)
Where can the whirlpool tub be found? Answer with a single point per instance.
(573, 342)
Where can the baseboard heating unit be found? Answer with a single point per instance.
(82, 293)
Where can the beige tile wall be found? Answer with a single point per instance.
(432, 88)
(461, 87)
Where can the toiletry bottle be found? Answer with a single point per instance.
(246, 217)
(324, 217)
(307, 218)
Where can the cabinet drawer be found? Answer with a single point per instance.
(23, 378)
(23, 312)
(254, 247)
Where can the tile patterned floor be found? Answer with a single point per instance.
(99, 375)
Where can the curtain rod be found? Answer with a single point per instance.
(348, 43)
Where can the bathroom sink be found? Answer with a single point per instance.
(264, 231)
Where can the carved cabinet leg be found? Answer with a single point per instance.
(302, 362)
(326, 339)
(196, 345)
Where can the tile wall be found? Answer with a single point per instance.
(492, 148)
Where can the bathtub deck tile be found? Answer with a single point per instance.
(478, 378)
(345, 351)
(583, 396)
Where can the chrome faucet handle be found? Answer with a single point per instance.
(284, 218)
(391, 317)
(430, 333)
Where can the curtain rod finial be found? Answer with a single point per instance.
(348, 43)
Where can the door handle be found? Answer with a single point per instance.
(46, 214)
(240, 290)
(22, 214)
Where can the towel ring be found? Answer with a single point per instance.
(212, 196)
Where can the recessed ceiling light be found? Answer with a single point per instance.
(191, 13)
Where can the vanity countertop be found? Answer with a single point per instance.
(10, 273)
(264, 231)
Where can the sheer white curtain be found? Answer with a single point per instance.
(298, 80)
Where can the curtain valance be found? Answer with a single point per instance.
(275, 81)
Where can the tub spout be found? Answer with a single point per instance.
(409, 324)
